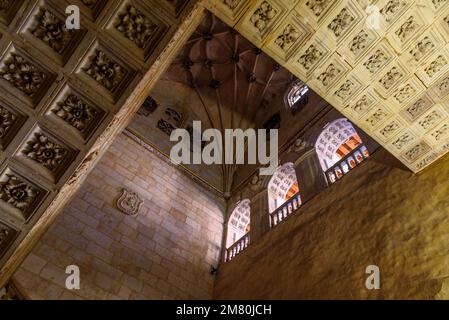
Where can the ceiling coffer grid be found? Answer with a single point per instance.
(61, 88)
(392, 80)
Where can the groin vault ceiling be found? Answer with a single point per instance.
(383, 64)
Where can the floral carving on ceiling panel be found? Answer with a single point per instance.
(135, 26)
(45, 152)
(22, 74)
(105, 71)
(52, 31)
(77, 113)
(19, 194)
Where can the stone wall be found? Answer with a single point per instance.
(378, 214)
(164, 252)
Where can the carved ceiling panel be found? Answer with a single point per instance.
(382, 63)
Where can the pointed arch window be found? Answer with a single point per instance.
(339, 149)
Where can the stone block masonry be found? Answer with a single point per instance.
(163, 253)
(376, 215)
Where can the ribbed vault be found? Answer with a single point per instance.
(235, 82)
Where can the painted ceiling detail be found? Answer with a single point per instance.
(383, 64)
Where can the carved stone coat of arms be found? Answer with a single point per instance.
(129, 202)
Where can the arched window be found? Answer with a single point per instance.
(283, 193)
(296, 96)
(339, 148)
(237, 237)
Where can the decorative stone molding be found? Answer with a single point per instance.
(263, 15)
(165, 127)
(329, 75)
(318, 6)
(422, 48)
(424, 162)
(430, 119)
(341, 22)
(443, 86)
(300, 145)
(437, 4)
(441, 132)
(407, 29)
(403, 140)
(94, 7)
(359, 43)
(392, 9)
(412, 55)
(288, 37)
(416, 151)
(129, 202)
(436, 66)
(31, 196)
(177, 6)
(418, 108)
(391, 78)
(231, 4)
(345, 90)
(375, 61)
(361, 105)
(310, 57)
(255, 183)
(405, 93)
(390, 129)
(376, 117)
